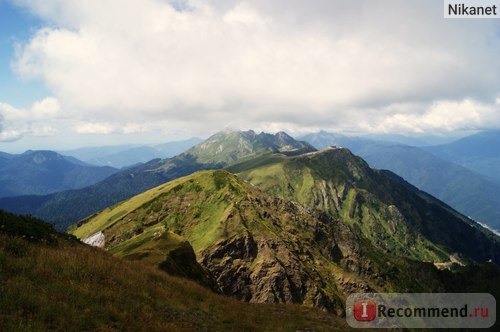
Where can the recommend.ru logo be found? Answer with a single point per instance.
(421, 310)
(364, 310)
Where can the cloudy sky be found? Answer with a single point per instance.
(87, 72)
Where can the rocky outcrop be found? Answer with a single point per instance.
(266, 271)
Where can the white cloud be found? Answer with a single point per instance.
(10, 135)
(95, 128)
(441, 116)
(42, 131)
(121, 66)
(46, 108)
(121, 128)
(18, 122)
(7, 135)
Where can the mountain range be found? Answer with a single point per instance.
(129, 155)
(429, 172)
(478, 152)
(304, 228)
(260, 218)
(44, 172)
(220, 150)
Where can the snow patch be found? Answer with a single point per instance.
(95, 240)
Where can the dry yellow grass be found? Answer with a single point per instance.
(72, 287)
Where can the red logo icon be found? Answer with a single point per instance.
(365, 310)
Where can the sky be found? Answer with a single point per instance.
(100, 72)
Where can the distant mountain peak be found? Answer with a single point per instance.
(41, 156)
(39, 152)
(282, 134)
(284, 138)
(229, 146)
(40, 172)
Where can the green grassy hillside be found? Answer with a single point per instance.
(257, 247)
(51, 282)
(395, 216)
(461, 173)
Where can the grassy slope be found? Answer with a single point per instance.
(393, 215)
(206, 207)
(59, 284)
(212, 207)
(142, 210)
(335, 193)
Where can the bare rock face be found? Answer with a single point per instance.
(294, 256)
(265, 271)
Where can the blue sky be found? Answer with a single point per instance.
(93, 72)
(16, 25)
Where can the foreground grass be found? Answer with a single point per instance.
(71, 287)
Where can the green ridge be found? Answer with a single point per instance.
(394, 216)
(261, 248)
